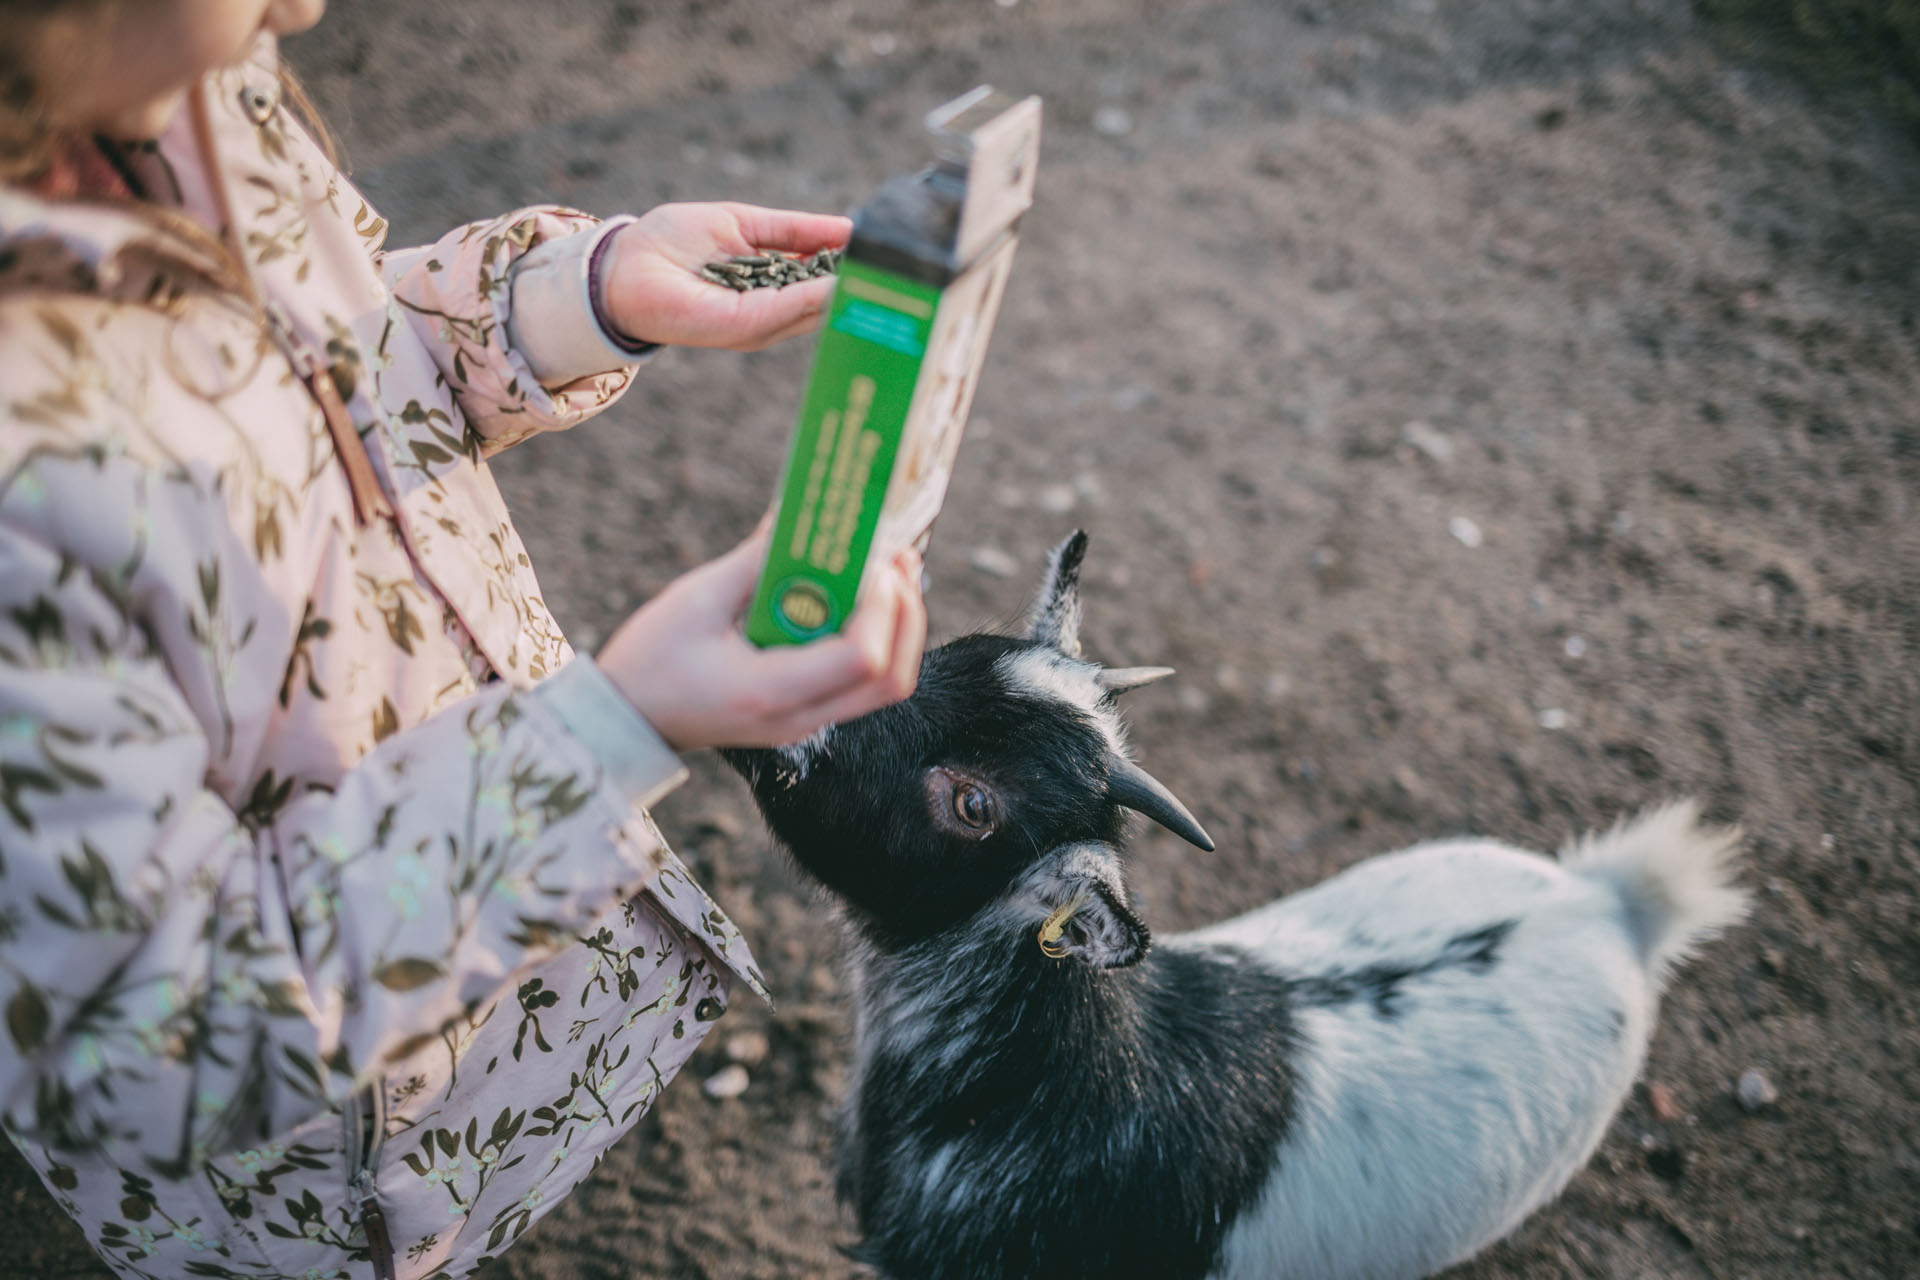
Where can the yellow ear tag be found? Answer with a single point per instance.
(1056, 924)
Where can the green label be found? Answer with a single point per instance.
(858, 392)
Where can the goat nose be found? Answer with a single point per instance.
(1131, 787)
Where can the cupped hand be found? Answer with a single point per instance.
(683, 661)
(654, 292)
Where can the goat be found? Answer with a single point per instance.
(1373, 1078)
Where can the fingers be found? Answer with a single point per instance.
(910, 636)
(790, 230)
(770, 316)
(874, 660)
(897, 681)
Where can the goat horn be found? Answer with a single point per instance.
(1131, 787)
(1121, 679)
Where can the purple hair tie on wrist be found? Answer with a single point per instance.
(596, 293)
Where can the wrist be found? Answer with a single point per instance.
(600, 270)
(553, 317)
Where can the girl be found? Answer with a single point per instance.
(335, 938)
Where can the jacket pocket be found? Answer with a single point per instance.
(365, 1122)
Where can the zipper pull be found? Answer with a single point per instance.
(374, 1223)
(369, 502)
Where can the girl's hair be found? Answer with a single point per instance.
(41, 43)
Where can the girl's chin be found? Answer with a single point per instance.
(148, 120)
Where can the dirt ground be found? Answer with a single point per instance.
(1502, 412)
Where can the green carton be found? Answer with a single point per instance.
(899, 355)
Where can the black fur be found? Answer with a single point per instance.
(1017, 1115)
(1100, 1123)
(859, 823)
(1380, 984)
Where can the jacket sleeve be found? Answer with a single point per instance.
(188, 973)
(458, 295)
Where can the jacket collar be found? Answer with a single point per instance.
(109, 248)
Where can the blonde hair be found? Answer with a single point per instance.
(41, 43)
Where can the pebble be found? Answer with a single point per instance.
(729, 1081)
(994, 562)
(1576, 646)
(1465, 531)
(748, 1048)
(1423, 436)
(1666, 1108)
(1553, 718)
(1057, 499)
(1755, 1091)
(1112, 122)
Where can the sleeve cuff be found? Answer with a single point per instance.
(552, 317)
(636, 759)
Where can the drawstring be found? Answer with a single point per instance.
(369, 501)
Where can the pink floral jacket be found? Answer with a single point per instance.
(335, 938)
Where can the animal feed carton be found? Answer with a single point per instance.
(899, 354)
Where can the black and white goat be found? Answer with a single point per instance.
(1376, 1077)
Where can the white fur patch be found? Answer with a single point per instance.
(1048, 673)
(1421, 1137)
(799, 756)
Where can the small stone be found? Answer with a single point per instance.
(821, 984)
(994, 562)
(1112, 122)
(1465, 532)
(1228, 678)
(1576, 646)
(1057, 499)
(1423, 436)
(1135, 395)
(748, 1048)
(729, 1081)
(1773, 960)
(1666, 1108)
(1553, 718)
(884, 43)
(1278, 686)
(1195, 700)
(1755, 1091)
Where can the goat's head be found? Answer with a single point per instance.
(1002, 780)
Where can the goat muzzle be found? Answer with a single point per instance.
(1131, 787)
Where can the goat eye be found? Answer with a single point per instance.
(972, 806)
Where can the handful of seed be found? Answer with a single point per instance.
(770, 270)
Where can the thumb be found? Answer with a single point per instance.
(774, 314)
(723, 587)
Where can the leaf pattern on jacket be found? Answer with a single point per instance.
(291, 886)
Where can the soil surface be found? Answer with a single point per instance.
(1502, 412)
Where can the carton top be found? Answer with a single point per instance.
(933, 224)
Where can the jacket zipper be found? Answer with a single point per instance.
(365, 1121)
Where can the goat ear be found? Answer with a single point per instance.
(1097, 928)
(1055, 617)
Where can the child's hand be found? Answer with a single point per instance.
(682, 660)
(653, 289)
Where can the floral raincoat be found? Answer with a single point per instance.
(335, 938)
